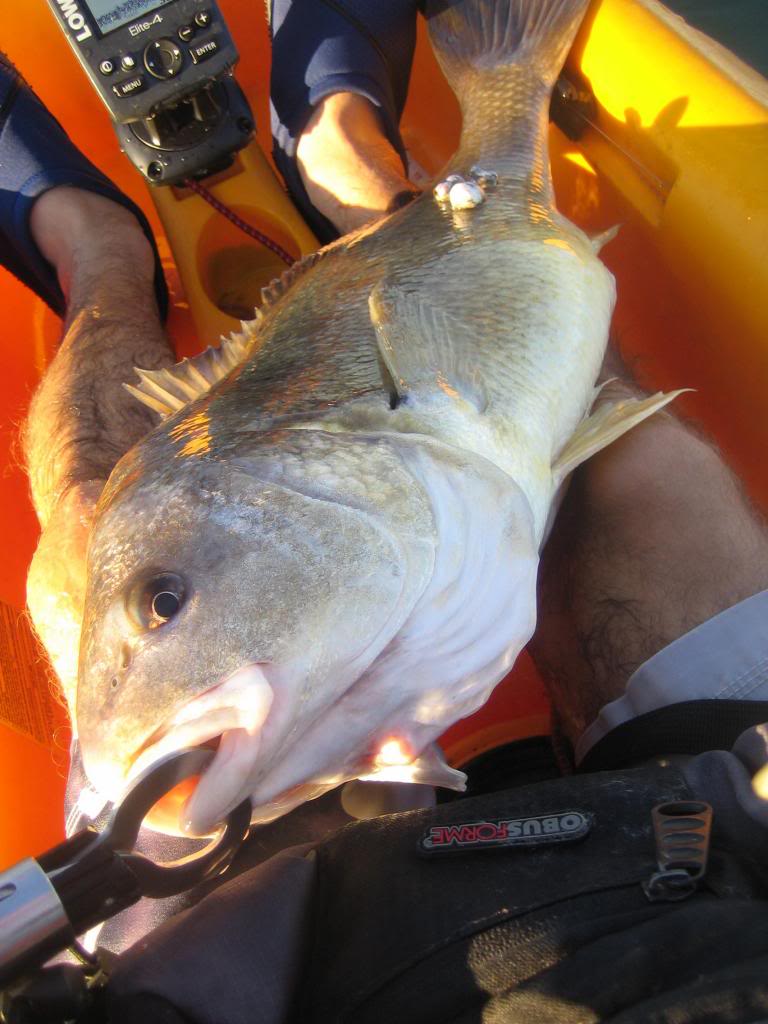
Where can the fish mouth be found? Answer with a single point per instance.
(229, 716)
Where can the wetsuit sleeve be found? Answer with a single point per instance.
(324, 46)
(36, 155)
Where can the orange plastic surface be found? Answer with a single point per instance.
(679, 158)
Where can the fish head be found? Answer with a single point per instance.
(235, 600)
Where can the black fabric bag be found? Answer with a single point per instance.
(560, 932)
(550, 931)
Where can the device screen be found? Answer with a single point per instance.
(110, 15)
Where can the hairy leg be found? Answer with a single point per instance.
(655, 536)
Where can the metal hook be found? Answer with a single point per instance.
(158, 880)
(121, 831)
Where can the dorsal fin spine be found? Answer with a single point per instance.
(168, 390)
(171, 388)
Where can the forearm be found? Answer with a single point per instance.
(339, 83)
(82, 420)
(349, 169)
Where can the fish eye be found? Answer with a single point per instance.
(165, 604)
(156, 601)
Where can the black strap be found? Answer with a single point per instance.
(688, 727)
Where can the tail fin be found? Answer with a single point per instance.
(501, 58)
(482, 35)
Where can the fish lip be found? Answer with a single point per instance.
(182, 729)
(167, 727)
(140, 760)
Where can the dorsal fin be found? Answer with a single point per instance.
(168, 390)
(280, 285)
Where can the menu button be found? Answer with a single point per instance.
(129, 86)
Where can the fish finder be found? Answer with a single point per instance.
(164, 70)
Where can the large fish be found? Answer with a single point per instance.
(329, 555)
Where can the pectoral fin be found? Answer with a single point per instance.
(605, 425)
(430, 769)
(423, 348)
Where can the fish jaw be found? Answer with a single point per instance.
(238, 706)
(461, 638)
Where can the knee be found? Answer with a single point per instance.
(663, 497)
(660, 463)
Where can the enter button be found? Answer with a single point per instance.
(203, 51)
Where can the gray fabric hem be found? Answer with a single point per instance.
(725, 657)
